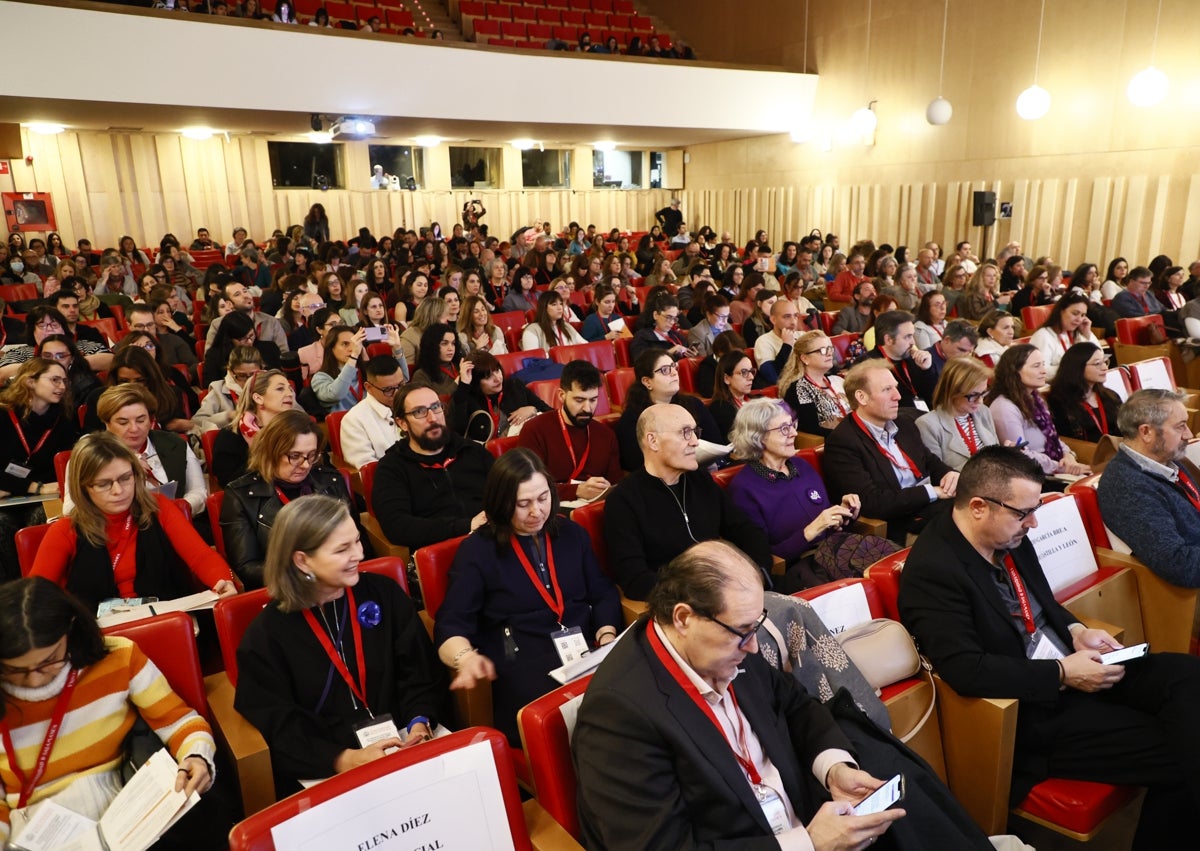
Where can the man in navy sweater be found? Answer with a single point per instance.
(1150, 492)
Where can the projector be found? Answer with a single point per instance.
(352, 128)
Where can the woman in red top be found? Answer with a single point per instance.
(121, 540)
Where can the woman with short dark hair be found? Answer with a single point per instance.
(516, 584)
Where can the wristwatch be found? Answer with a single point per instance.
(420, 719)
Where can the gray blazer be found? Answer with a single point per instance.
(940, 435)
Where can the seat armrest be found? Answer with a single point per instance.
(905, 709)
(778, 565)
(544, 832)
(1112, 629)
(870, 526)
(978, 737)
(1083, 449)
(1169, 612)
(379, 542)
(242, 743)
(633, 609)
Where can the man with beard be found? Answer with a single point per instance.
(856, 317)
(975, 597)
(1150, 492)
(429, 485)
(581, 454)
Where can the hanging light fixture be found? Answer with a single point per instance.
(1034, 102)
(1149, 86)
(864, 121)
(939, 110)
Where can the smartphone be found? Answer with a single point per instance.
(1116, 657)
(886, 796)
(375, 334)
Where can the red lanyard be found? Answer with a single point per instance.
(123, 544)
(906, 379)
(21, 434)
(453, 373)
(828, 389)
(494, 411)
(587, 447)
(1102, 420)
(359, 689)
(440, 465)
(556, 603)
(282, 496)
(29, 782)
(969, 435)
(1189, 489)
(908, 462)
(1065, 341)
(1145, 304)
(740, 752)
(1019, 589)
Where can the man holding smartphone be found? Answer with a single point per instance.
(975, 596)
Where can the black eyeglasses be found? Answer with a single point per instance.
(1021, 513)
(422, 411)
(52, 665)
(743, 637)
(974, 397)
(386, 391)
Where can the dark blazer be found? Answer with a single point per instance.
(909, 377)
(854, 464)
(654, 772)
(950, 603)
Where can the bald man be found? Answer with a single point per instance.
(772, 350)
(657, 512)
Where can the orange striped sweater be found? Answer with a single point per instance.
(104, 706)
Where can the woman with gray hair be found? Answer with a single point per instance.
(338, 663)
(783, 494)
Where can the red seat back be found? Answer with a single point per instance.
(1136, 331)
(841, 343)
(725, 475)
(107, 327)
(60, 469)
(546, 390)
(170, 643)
(499, 445)
(1084, 492)
(621, 351)
(828, 317)
(619, 381)
(333, 424)
(366, 475)
(599, 354)
(1034, 316)
(874, 598)
(885, 573)
(813, 455)
(18, 292)
(511, 362)
(254, 834)
(546, 742)
(591, 518)
(513, 320)
(687, 377)
(1154, 373)
(433, 571)
(28, 540)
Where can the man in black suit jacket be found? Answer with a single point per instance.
(962, 596)
(656, 761)
(879, 455)
(895, 345)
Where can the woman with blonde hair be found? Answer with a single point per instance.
(476, 329)
(268, 394)
(287, 461)
(296, 689)
(959, 424)
(121, 539)
(816, 395)
(982, 293)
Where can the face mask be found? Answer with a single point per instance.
(17, 266)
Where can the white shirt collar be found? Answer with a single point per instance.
(709, 693)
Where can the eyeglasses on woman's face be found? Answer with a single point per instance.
(298, 458)
(667, 369)
(787, 429)
(122, 481)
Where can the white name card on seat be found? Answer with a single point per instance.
(1062, 544)
(422, 806)
(843, 608)
(1114, 380)
(1152, 374)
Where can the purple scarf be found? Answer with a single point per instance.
(1044, 422)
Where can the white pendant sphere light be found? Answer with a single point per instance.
(1149, 86)
(1033, 103)
(864, 121)
(939, 110)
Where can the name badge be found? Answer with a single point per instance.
(569, 644)
(920, 405)
(772, 807)
(376, 730)
(1041, 647)
(16, 470)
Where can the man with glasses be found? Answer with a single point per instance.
(880, 456)
(1136, 299)
(429, 485)
(1150, 491)
(657, 512)
(724, 744)
(716, 320)
(975, 596)
(369, 428)
(178, 347)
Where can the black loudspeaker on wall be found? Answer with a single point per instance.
(983, 209)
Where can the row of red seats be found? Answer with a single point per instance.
(531, 15)
(535, 36)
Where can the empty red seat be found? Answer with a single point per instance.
(549, 16)
(400, 18)
(623, 7)
(602, 5)
(640, 23)
(501, 42)
(1077, 805)
(485, 27)
(540, 32)
(512, 29)
(558, 4)
(339, 12)
(499, 11)
(524, 13)
(472, 8)
(595, 19)
(573, 17)
(566, 33)
(619, 22)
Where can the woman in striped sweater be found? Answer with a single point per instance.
(54, 659)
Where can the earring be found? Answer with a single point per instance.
(308, 577)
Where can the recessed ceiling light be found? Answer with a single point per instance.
(523, 144)
(198, 133)
(45, 128)
(604, 146)
(427, 141)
